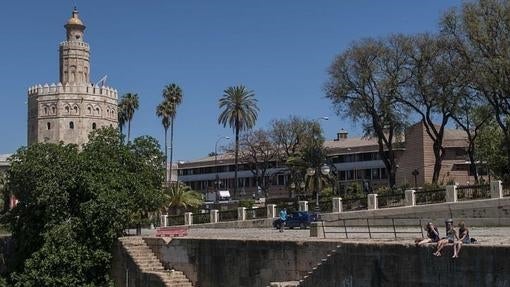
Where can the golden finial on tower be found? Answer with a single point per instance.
(75, 19)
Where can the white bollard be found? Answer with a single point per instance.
(214, 216)
(188, 218)
(410, 198)
(303, 205)
(337, 204)
(372, 201)
(451, 193)
(496, 189)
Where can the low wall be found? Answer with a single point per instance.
(236, 263)
(240, 263)
(405, 265)
(488, 212)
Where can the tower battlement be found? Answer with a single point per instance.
(74, 44)
(72, 88)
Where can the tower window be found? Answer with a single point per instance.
(53, 110)
(89, 109)
(94, 126)
(45, 110)
(48, 125)
(67, 109)
(71, 125)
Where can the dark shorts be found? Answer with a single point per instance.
(450, 241)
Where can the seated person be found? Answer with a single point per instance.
(432, 234)
(463, 239)
(451, 237)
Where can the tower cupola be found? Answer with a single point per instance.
(75, 27)
(74, 53)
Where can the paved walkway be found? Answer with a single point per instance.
(485, 235)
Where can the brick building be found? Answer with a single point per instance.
(355, 159)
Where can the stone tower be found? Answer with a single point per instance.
(70, 110)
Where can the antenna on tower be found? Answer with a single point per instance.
(102, 81)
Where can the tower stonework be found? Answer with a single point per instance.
(69, 110)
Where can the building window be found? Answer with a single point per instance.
(45, 110)
(67, 109)
(94, 126)
(75, 109)
(71, 125)
(48, 125)
(53, 110)
(89, 109)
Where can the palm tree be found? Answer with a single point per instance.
(173, 94)
(180, 197)
(130, 105)
(239, 111)
(121, 116)
(165, 110)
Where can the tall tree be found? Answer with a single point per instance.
(291, 136)
(165, 111)
(130, 104)
(364, 83)
(121, 115)
(482, 33)
(433, 89)
(259, 152)
(173, 95)
(238, 110)
(471, 116)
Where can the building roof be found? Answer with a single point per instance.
(4, 159)
(452, 138)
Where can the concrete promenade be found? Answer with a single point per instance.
(485, 235)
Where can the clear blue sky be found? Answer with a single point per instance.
(280, 49)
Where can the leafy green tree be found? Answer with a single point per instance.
(490, 147)
(312, 155)
(481, 32)
(363, 85)
(259, 153)
(179, 197)
(173, 96)
(434, 87)
(239, 110)
(74, 204)
(292, 136)
(129, 104)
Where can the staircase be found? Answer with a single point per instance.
(147, 262)
(326, 265)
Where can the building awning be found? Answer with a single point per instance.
(224, 193)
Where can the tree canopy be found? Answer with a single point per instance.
(73, 204)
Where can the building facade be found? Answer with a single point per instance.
(69, 110)
(354, 160)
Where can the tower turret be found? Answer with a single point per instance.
(74, 53)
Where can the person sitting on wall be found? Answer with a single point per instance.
(463, 239)
(283, 218)
(451, 237)
(432, 234)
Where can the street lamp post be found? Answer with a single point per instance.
(323, 169)
(217, 179)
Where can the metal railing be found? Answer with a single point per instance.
(200, 218)
(391, 200)
(373, 227)
(469, 192)
(175, 220)
(228, 215)
(326, 206)
(255, 213)
(358, 203)
(430, 196)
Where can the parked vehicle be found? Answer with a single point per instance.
(301, 219)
